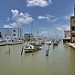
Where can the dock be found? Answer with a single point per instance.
(72, 45)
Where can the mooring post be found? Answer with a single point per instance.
(9, 49)
(47, 52)
(32, 52)
(22, 50)
(53, 44)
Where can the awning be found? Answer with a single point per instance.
(67, 38)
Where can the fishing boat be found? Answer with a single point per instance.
(30, 48)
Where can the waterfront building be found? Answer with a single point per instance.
(15, 33)
(67, 36)
(27, 36)
(72, 26)
(67, 33)
(39, 37)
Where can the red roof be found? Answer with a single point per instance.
(67, 38)
(67, 31)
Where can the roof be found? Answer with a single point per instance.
(67, 31)
(67, 38)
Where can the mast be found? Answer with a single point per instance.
(37, 33)
(31, 32)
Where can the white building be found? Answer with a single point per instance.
(67, 33)
(15, 33)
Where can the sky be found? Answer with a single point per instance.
(50, 17)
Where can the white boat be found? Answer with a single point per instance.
(48, 42)
(31, 48)
(2, 42)
(11, 41)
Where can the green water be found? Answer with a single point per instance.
(61, 61)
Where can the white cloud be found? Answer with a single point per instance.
(41, 3)
(66, 17)
(43, 17)
(19, 19)
(11, 25)
(44, 32)
(54, 20)
(48, 18)
(59, 28)
(24, 18)
(6, 26)
(15, 13)
(63, 27)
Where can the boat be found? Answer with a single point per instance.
(55, 42)
(30, 48)
(42, 42)
(48, 42)
(36, 43)
(11, 41)
(2, 43)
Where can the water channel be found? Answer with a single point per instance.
(61, 61)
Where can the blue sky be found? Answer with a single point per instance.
(49, 16)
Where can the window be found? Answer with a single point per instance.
(14, 30)
(14, 34)
(73, 35)
(73, 28)
(74, 21)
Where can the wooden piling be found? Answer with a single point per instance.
(32, 52)
(9, 49)
(22, 50)
(47, 52)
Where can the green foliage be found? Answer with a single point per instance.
(27, 39)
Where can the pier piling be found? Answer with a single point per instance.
(32, 52)
(22, 50)
(9, 49)
(47, 52)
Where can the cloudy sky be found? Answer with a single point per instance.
(49, 16)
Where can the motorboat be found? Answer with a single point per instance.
(49, 42)
(31, 48)
(2, 43)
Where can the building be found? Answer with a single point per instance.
(67, 33)
(15, 33)
(39, 37)
(72, 27)
(67, 36)
(26, 35)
